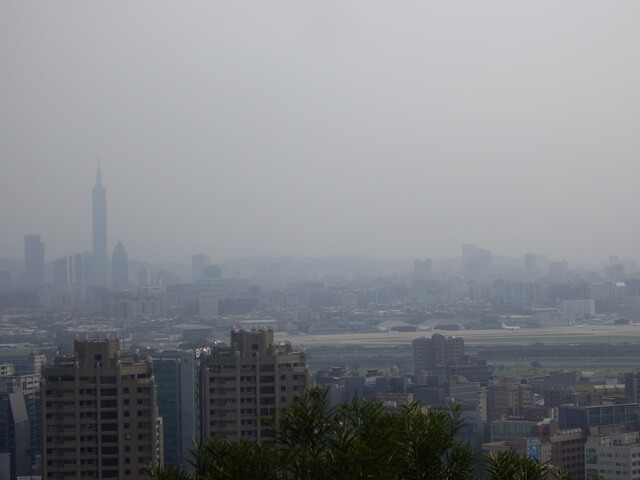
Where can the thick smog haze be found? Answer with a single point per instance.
(388, 130)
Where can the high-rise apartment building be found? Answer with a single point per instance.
(120, 268)
(99, 416)
(33, 261)
(176, 384)
(247, 381)
(99, 200)
(429, 353)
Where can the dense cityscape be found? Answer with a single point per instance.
(111, 365)
(319, 240)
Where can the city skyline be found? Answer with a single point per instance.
(99, 225)
(323, 129)
(227, 222)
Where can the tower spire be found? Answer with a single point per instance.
(99, 204)
(98, 173)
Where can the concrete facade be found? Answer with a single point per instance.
(429, 353)
(252, 378)
(99, 415)
(614, 457)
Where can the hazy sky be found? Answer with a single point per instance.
(385, 129)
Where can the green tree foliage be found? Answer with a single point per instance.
(428, 447)
(361, 440)
(221, 460)
(508, 465)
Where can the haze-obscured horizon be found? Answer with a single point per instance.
(312, 129)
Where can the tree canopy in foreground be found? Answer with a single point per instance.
(361, 440)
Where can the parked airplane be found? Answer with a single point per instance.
(510, 327)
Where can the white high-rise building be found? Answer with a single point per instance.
(614, 457)
(579, 308)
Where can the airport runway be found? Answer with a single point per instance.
(547, 335)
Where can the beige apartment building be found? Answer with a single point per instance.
(251, 379)
(509, 397)
(99, 415)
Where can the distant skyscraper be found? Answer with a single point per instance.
(72, 270)
(614, 273)
(120, 268)
(61, 273)
(144, 276)
(99, 196)
(34, 261)
(198, 263)
(476, 262)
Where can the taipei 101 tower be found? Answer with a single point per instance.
(99, 196)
